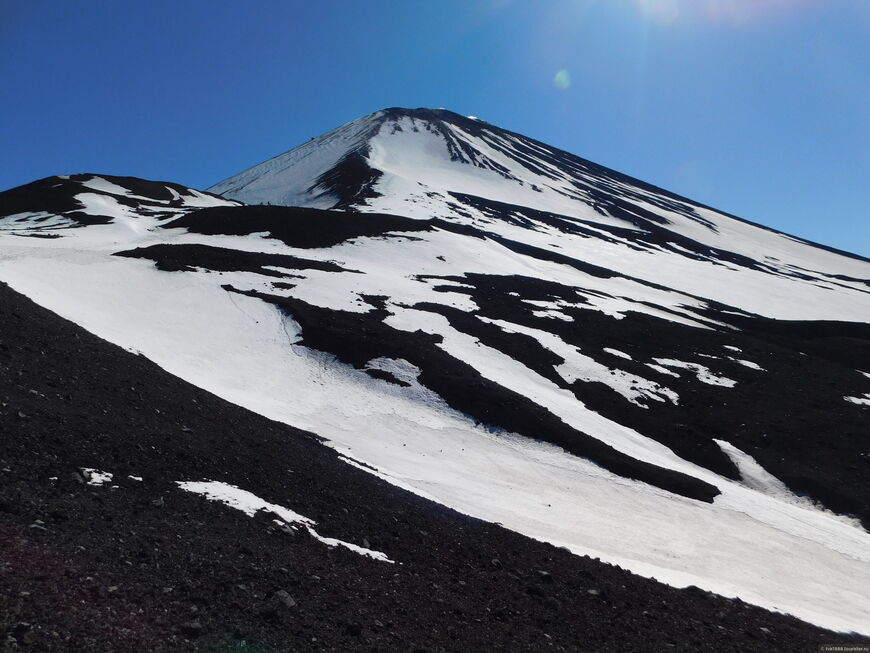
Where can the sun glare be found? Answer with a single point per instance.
(728, 12)
(664, 12)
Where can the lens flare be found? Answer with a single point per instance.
(562, 80)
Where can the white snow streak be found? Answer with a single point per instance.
(96, 477)
(250, 504)
(703, 373)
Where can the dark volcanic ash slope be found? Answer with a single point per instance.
(143, 565)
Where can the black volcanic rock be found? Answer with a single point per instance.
(294, 226)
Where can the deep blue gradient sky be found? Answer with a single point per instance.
(756, 107)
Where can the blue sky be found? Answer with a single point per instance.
(756, 107)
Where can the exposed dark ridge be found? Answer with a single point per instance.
(805, 329)
(156, 190)
(51, 194)
(351, 180)
(186, 258)
(462, 229)
(843, 277)
(357, 338)
(294, 226)
(56, 195)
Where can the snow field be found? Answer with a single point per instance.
(748, 543)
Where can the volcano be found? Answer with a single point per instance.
(495, 328)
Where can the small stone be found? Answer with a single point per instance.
(192, 628)
(23, 633)
(159, 502)
(545, 576)
(283, 597)
(366, 544)
(593, 592)
(495, 562)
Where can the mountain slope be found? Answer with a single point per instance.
(620, 381)
(137, 563)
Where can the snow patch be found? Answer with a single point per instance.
(250, 504)
(616, 352)
(95, 476)
(754, 475)
(662, 370)
(556, 315)
(749, 364)
(703, 374)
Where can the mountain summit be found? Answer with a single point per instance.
(508, 330)
(434, 163)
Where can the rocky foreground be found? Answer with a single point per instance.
(95, 564)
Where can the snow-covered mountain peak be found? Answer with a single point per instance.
(413, 161)
(434, 163)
